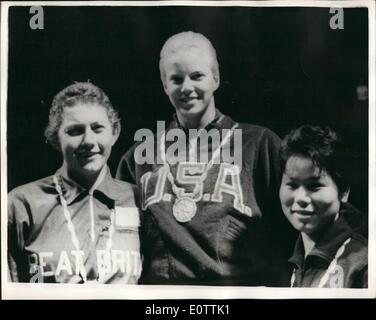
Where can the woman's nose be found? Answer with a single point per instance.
(187, 85)
(88, 138)
(302, 197)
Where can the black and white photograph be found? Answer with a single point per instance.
(188, 149)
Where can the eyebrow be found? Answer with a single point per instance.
(314, 178)
(74, 124)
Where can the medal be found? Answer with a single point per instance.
(184, 209)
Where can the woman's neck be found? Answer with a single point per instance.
(308, 243)
(88, 181)
(198, 121)
(309, 240)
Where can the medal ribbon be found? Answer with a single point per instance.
(209, 165)
(72, 230)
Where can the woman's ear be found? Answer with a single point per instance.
(116, 132)
(165, 88)
(163, 79)
(345, 195)
(54, 143)
(217, 80)
(164, 84)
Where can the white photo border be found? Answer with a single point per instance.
(142, 292)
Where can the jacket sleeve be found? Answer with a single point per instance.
(358, 278)
(268, 175)
(18, 229)
(268, 172)
(364, 283)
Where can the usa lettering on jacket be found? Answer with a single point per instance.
(190, 174)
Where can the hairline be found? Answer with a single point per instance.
(199, 43)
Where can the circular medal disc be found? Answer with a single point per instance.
(184, 209)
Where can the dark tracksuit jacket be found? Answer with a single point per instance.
(350, 269)
(239, 235)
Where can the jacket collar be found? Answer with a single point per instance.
(355, 218)
(326, 247)
(220, 121)
(105, 187)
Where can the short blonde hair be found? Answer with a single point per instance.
(185, 41)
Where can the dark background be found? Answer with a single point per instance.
(280, 68)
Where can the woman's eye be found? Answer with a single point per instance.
(76, 131)
(176, 80)
(314, 186)
(98, 128)
(291, 185)
(197, 76)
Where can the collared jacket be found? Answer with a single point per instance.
(41, 247)
(238, 235)
(338, 260)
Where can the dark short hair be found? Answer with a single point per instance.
(324, 147)
(79, 92)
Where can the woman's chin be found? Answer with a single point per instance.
(308, 229)
(194, 112)
(91, 168)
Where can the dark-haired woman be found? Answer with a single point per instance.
(330, 252)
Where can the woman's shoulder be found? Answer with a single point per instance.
(353, 262)
(126, 192)
(355, 253)
(123, 185)
(252, 128)
(356, 246)
(356, 219)
(259, 133)
(31, 201)
(34, 189)
(358, 243)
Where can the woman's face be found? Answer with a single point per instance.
(86, 138)
(309, 196)
(190, 82)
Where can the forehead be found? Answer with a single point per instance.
(84, 113)
(199, 57)
(301, 167)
